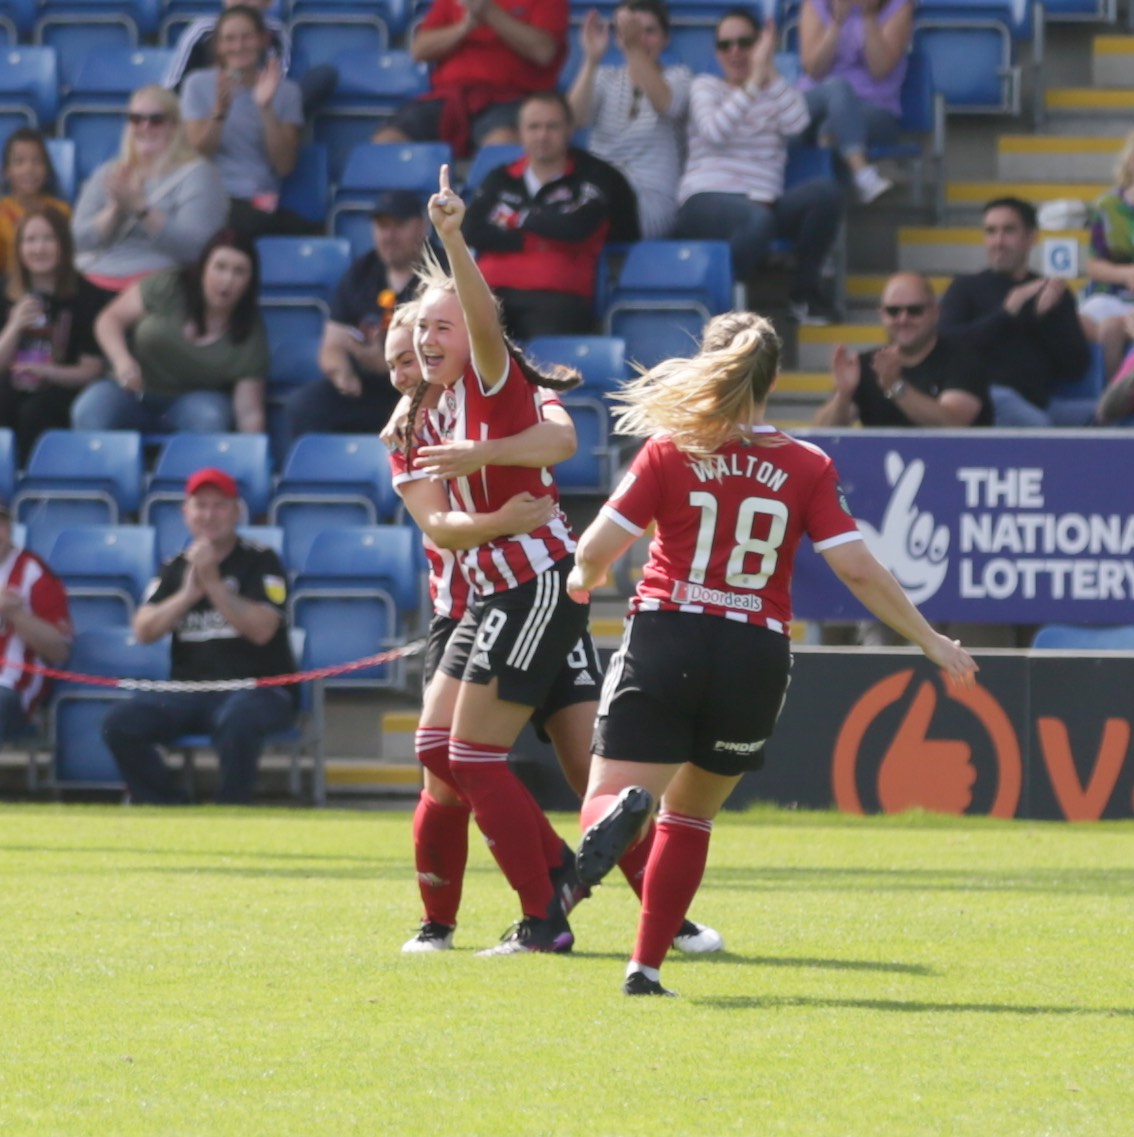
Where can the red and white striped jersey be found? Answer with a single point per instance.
(448, 587)
(728, 525)
(43, 594)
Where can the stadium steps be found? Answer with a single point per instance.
(1112, 61)
(1044, 158)
(816, 344)
(973, 195)
(1089, 110)
(951, 249)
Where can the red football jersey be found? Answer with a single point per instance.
(468, 410)
(44, 595)
(448, 588)
(728, 526)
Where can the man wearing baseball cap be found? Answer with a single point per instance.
(35, 627)
(355, 396)
(222, 599)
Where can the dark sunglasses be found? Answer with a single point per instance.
(136, 119)
(744, 42)
(895, 310)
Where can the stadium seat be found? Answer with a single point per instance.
(340, 130)
(283, 321)
(394, 14)
(244, 456)
(75, 40)
(1066, 637)
(307, 189)
(29, 84)
(295, 361)
(330, 480)
(359, 556)
(377, 166)
(80, 477)
(80, 758)
(62, 154)
(142, 17)
(301, 268)
(600, 359)
(379, 82)
(486, 159)
(7, 463)
(317, 40)
(588, 470)
(106, 569)
(173, 536)
(18, 18)
(665, 293)
(354, 227)
(96, 134)
(1089, 385)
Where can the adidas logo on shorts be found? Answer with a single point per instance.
(583, 679)
(481, 660)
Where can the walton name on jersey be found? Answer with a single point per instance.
(718, 466)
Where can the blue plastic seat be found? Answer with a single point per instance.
(331, 480)
(319, 39)
(361, 556)
(80, 477)
(110, 76)
(486, 159)
(307, 189)
(62, 154)
(74, 39)
(106, 569)
(7, 463)
(377, 166)
(29, 84)
(301, 268)
(142, 17)
(394, 14)
(1067, 637)
(377, 82)
(295, 361)
(18, 17)
(354, 226)
(588, 470)
(340, 129)
(96, 134)
(244, 456)
(600, 359)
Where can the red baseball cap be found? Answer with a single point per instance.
(211, 476)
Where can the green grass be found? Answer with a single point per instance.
(238, 972)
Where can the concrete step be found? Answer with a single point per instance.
(1042, 158)
(973, 195)
(817, 344)
(1105, 102)
(953, 249)
(1112, 61)
(865, 289)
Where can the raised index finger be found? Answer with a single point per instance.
(444, 178)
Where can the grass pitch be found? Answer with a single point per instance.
(215, 972)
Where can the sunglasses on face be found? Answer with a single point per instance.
(743, 42)
(895, 310)
(134, 118)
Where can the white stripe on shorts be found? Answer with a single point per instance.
(527, 642)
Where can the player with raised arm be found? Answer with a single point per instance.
(696, 687)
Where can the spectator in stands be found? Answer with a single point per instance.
(29, 182)
(48, 351)
(1110, 264)
(188, 349)
(154, 206)
(486, 57)
(636, 112)
(35, 627)
(539, 225)
(197, 43)
(854, 61)
(244, 115)
(1024, 327)
(733, 188)
(223, 601)
(355, 394)
(917, 379)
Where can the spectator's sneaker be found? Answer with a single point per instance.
(605, 842)
(1117, 401)
(431, 937)
(637, 983)
(698, 939)
(871, 185)
(569, 889)
(812, 311)
(534, 933)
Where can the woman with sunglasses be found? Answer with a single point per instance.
(695, 690)
(733, 188)
(245, 116)
(854, 56)
(154, 206)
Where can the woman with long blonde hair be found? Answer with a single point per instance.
(155, 205)
(695, 689)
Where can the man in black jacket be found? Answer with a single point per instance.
(540, 223)
(1025, 327)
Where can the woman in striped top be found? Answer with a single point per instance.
(733, 188)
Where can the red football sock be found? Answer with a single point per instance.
(431, 745)
(673, 876)
(506, 814)
(634, 860)
(440, 853)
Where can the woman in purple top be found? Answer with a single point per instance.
(854, 62)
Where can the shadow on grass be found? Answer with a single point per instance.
(723, 957)
(905, 1006)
